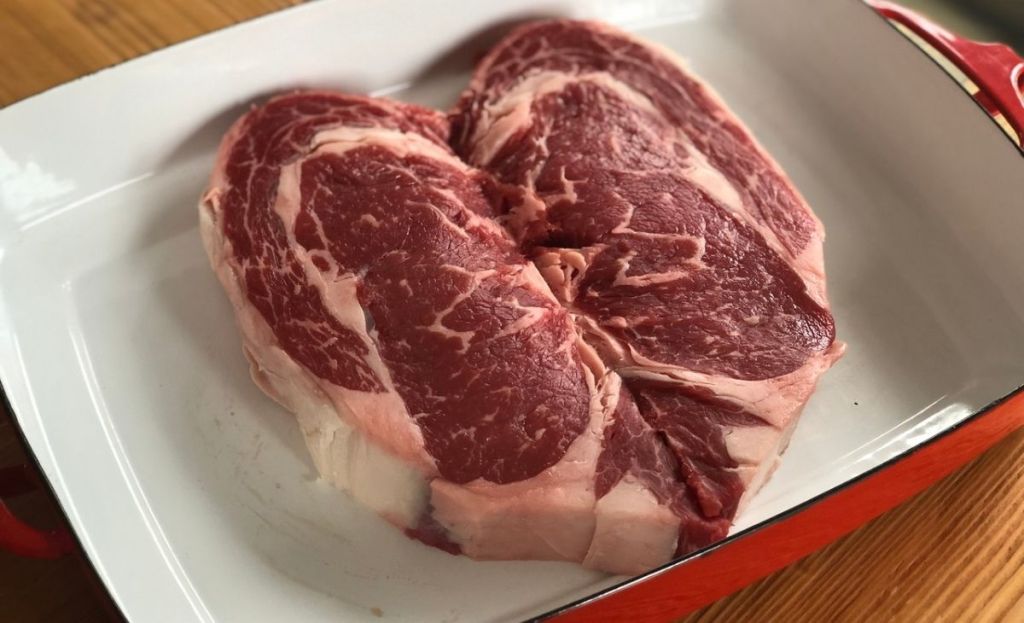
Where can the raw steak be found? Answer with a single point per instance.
(688, 260)
(607, 378)
(379, 303)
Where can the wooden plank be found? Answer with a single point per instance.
(954, 553)
(47, 42)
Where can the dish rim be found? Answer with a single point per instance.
(618, 587)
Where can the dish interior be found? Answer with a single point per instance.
(122, 361)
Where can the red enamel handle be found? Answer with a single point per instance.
(18, 537)
(995, 68)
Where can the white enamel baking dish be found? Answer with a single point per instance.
(192, 493)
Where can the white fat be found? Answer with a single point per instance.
(557, 273)
(633, 533)
(539, 523)
(711, 179)
(750, 444)
(350, 461)
(592, 363)
(568, 190)
(652, 278)
(533, 278)
(344, 138)
(612, 351)
(755, 475)
(529, 210)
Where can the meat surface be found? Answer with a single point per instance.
(588, 339)
(687, 259)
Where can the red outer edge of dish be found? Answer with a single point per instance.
(685, 587)
(16, 536)
(996, 69)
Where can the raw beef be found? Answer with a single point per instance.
(605, 379)
(688, 261)
(379, 303)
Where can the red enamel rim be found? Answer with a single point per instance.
(996, 69)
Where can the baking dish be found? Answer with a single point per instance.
(193, 495)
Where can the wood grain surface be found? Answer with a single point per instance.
(954, 553)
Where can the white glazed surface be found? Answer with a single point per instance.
(193, 493)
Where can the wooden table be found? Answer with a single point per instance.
(954, 553)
